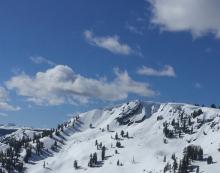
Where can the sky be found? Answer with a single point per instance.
(59, 58)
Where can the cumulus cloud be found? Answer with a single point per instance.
(4, 105)
(110, 43)
(197, 16)
(41, 60)
(61, 84)
(167, 70)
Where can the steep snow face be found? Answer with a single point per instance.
(125, 114)
(145, 149)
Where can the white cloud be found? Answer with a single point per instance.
(110, 43)
(197, 85)
(41, 60)
(167, 70)
(3, 94)
(208, 50)
(197, 16)
(134, 29)
(60, 85)
(7, 107)
(4, 105)
(3, 114)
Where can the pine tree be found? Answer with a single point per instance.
(39, 146)
(127, 136)
(90, 161)
(173, 122)
(189, 121)
(118, 163)
(164, 159)
(94, 158)
(122, 133)
(200, 153)
(90, 164)
(75, 164)
(173, 157)
(175, 165)
(118, 144)
(191, 131)
(167, 168)
(133, 160)
(213, 106)
(100, 145)
(103, 152)
(28, 155)
(116, 136)
(209, 160)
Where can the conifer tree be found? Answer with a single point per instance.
(116, 136)
(118, 163)
(209, 160)
(75, 164)
(122, 133)
(127, 136)
(95, 159)
(103, 152)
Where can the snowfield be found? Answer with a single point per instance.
(146, 149)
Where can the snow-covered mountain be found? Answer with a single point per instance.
(6, 129)
(154, 140)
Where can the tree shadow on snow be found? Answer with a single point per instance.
(49, 168)
(63, 138)
(192, 168)
(120, 146)
(77, 129)
(80, 122)
(106, 157)
(44, 154)
(65, 133)
(98, 165)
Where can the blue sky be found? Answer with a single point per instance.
(60, 57)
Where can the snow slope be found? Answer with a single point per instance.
(143, 151)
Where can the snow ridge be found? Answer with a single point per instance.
(153, 132)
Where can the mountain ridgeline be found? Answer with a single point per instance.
(132, 137)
